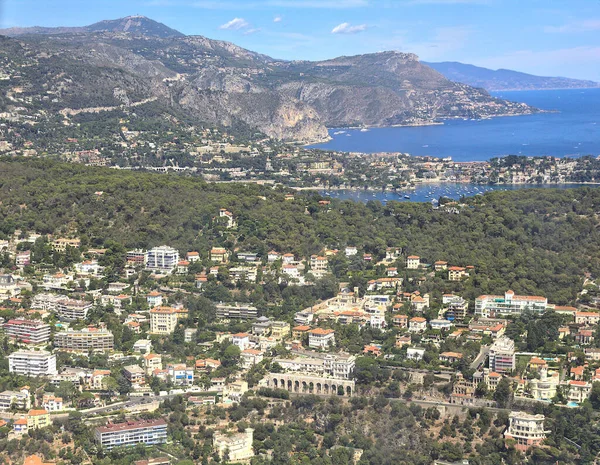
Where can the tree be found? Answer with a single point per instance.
(482, 389)
(231, 356)
(503, 393)
(595, 395)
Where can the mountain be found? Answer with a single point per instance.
(132, 24)
(136, 61)
(505, 79)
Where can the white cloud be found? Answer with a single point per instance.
(251, 31)
(575, 26)
(347, 28)
(277, 19)
(235, 24)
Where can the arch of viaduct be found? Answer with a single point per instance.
(298, 383)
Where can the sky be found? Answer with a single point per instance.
(544, 37)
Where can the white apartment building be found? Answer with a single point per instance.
(502, 355)
(162, 259)
(509, 304)
(131, 433)
(30, 363)
(320, 338)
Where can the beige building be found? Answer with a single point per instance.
(85, 340)
(234, 447)
(413, 262)
(163, 320)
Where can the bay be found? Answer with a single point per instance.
(429, 192)
(573, 130)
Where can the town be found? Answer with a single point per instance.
(100, 334)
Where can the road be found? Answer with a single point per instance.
(480, 359)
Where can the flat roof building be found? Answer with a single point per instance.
(30, 363)
(131, 433)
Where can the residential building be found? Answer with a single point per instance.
(229, 220)
(236, 311)
(97, 378)
(135, 374)
(251, 357)
(180, 374)
(450, 357)
(154, 299)
(273, 256)
(52, 403)
(219, 255)
(457, 273)
(526, 430)
(242, 340)
(137, 258)
(61, 244)
(509, 304)
(152, 362)
(318, 265)
(234, 447)
(147, 432)
(18, 399)
(20, 426)
(27, 331)
(188, 334)
(73, 310)
(234, 391)
(85, 340)
(57, 281)
(440, 265)
(413, 262)
(587, 318)
(30, 363)
(415, 353)
(320, 338)
(162, 259)
(400, 321)
(544, 388)
(142, 346)
(417, 324)
(350, 251)
(192, 257)
(502, 355)
(23, 258)
(440, 323)
(163, 320)
(39, 418)
(578, 391)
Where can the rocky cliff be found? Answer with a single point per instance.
(136, 59)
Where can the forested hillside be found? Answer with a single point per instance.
(533, 241)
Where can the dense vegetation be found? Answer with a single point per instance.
(534, 241)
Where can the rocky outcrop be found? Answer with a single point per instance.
(216, 82)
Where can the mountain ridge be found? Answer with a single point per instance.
(505, 79)
(135, 59)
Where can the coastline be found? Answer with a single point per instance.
(441, 183)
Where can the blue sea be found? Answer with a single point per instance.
(574, 130)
